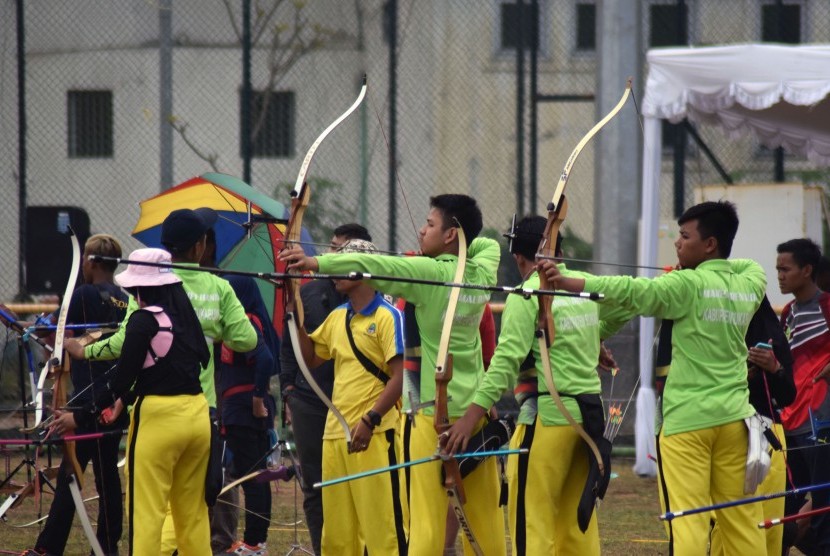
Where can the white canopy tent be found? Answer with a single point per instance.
(778, 93)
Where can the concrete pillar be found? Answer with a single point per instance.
(617, 174)
(618, 145)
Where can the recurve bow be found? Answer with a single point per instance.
(58, 365)
(546, 332)
(453, 483)
(300, 197)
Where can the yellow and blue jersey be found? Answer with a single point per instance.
(378, 333)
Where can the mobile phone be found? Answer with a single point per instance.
(763, 345)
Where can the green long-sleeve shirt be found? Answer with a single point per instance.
(220, 313)
(579, 326)
(430, 305)
(711, 307)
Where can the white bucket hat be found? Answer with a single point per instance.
(143, 275)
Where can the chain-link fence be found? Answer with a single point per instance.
(123, 99)
(97, 82)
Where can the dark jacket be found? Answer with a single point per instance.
(319, 299)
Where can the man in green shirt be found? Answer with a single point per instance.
(184, 234)
(702, 446)
(439, 245)
(547, 484)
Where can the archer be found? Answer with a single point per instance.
(703, 442)
(440, 243)
(545, 493)
(98, 299)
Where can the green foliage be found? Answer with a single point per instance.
(809, 177)
(326, 210)
(574, 247)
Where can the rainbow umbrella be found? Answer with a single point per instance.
(249, 230)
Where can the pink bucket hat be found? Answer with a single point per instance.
(143, 275)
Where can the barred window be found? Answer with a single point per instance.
(89, 125)
(668, 25)
(273, 131)
(586, 26)
(518, 21)
(781, 23)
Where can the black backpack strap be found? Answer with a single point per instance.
(367, 364)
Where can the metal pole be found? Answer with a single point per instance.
(165, 94)
(679, 149)
(364, 166)
(246, 92)
(679, 152)
(391, 10)
(520, 104)
(364, 132)
(21, 146)
(534, 119)
(724, 175)
(778, 171)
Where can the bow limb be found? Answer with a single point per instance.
(301, 196)
(59, 365)
(453, 483)
(240, 480)
(281, 473)
(557, 211)
(443, 359)
(566, 171)
(291, 321)
(80, 509)
(56, 361)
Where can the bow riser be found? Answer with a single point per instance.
(556, 216)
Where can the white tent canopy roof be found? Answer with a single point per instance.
(777, 92)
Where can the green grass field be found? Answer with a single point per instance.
(628, 518)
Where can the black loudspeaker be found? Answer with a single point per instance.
(48, 248)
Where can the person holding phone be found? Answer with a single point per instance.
(771, 389)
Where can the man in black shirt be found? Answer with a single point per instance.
(97, 300)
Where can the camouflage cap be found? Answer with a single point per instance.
(357, 246)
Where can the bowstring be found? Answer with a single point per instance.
(99, 463)
(394, 160)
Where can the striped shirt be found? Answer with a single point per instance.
(809, 336)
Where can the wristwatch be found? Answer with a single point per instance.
(374, 417)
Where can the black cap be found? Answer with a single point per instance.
(525, 235)
(184, 227)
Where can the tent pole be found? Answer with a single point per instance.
(708, 152)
